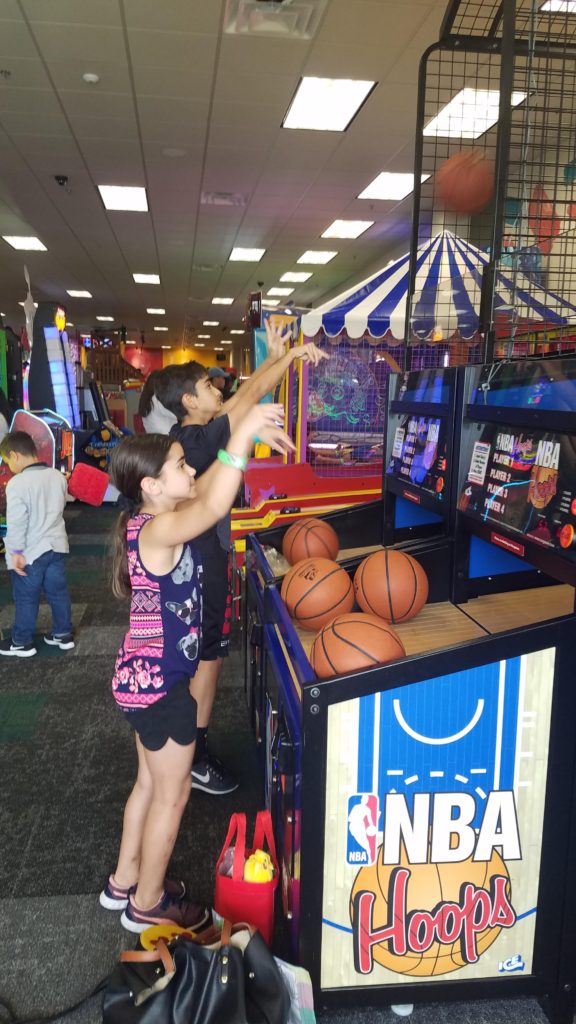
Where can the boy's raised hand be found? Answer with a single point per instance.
(265, 423)
(276, 338)
(310, 353)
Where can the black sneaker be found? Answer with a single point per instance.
(210, 776)
(17, 650)
(65, 643)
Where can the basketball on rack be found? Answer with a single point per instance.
(465, 182)
(391, 584)
(315, 591)
(350, 643)
(308, 538)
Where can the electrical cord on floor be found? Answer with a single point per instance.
(12, 1018)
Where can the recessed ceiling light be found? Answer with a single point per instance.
(74, 294)
(29, 242)
(270, 302)
(246, 255)
(165, 346)
(560, 6)
(199, 344)
(223, 342)
(204, 335)
(296, 276)
(316, 256)
(122, 197)
(469, 114)
(210, 323)
(217, 349)
(279, 291)
(388, 185)
(68, 322)
(219, 301)
(160, 328)
(146, 278)
(130, 342)
(347, 228)
(155, 312)
(105, 318)
(91, 78)
(326, 104)
(236, 332)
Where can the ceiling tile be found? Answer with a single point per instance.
(178, 15)
(70, 12)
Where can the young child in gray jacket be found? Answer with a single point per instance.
(36, 546)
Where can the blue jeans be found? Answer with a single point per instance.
(48, 574)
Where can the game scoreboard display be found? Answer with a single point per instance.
(425, 810)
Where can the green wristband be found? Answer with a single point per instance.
(234, 461)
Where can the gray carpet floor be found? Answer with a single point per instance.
(67, 763)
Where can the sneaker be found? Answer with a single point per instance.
(17, 650)
(115, 897)
(65, 643)
(211, 776)
(168, 910)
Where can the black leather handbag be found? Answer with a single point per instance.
(230, 978)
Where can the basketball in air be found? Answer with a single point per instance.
(465, 182)
(391, 584)
(315, 590)
(430, 887)
(353, 642)
(310, 538)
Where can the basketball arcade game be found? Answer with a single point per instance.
(421, 808)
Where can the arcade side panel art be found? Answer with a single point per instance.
(435, 802)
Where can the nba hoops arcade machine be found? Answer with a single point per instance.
(424, 810)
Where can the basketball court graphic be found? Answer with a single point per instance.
(453, 771)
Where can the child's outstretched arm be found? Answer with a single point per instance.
(218, 486)
(270, 372)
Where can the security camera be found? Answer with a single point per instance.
(61, 179)
(260, 284)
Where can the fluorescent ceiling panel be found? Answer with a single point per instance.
(347, 228)
(469, 114)
(155, 312)
(122, 197)
(279, 291)
(320, 256)
(326, 104)
(296, 276)
(246, 255)
(160, 328)
(146, 278)
(391, 186)
(560, 6)
(104, 319)
(27, 242)
(204, 335)
(210, 323)
(220, 301)
(236, 332)
(74, 294)
(271, 302)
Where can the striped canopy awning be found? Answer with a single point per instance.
(446, 298)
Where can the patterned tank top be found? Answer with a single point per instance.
(162, 644)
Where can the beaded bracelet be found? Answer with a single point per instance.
(235, 461)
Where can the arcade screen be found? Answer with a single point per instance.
(431, 386)
(419, 454)
(524, 480)
(540, 384)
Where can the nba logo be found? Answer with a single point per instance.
(362, 828)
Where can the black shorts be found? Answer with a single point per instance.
(172, 717)
(216, 603)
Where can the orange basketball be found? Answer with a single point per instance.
(350, 643)
(465, 182)
(315, 590)
(391, 584)
(429, 886)
(310, 538)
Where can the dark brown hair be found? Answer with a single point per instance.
(147, 393)
(175, 381)
(134, 458)
(20, 443)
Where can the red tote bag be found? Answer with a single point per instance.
(237, 900)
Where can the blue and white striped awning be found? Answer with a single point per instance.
(446, 298)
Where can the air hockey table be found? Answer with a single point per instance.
(424, 810)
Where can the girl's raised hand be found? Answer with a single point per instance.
(310, 353)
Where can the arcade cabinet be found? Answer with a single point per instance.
(51, 377)
(425, 810)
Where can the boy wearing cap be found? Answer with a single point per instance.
(205, 422)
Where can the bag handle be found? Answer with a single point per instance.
(237, 827)
(150, 956)
(263, 830)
